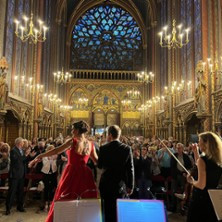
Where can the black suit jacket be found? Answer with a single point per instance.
(17, 164)
(116, 160)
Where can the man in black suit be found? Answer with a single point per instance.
(16, 176)
(117, 179)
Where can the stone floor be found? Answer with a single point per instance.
(33, 214)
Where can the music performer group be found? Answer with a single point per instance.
(119, 170)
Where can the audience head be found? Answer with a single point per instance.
(144, 150)
(114, 133)
(41, 144)
(80, 127)
(1, 143)
(180, 148)
(25, 144)
(5, 148)
(211, 145)
(19, 142)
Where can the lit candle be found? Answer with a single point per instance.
(179, 27)
(36, 34)
(204, 64)
(211, 68)
(165, 31)
(209, 59)
(161, 38)
(187, 31)
(181, 39)
(23, 79)
(168, 37)
(22, 32)
(16, 26)
(40, 25)
(44, 32)
(26, 20)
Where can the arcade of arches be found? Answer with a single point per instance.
(104, 44)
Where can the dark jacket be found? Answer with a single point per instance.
(142, 168)
(17, 168)
(4, 164)
(116, 160)
(173, 163)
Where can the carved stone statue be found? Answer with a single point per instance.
(200, 91)
(40, 107)
(3, 90)
(200, 96)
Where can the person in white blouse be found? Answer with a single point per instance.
(49, 169)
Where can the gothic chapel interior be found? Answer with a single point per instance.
(153, 67)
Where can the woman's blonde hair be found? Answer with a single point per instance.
(213, 145)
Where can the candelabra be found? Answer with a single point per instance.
(173, 40)
(144, 77)
(177, 88)
(133, 93)
(126, 102)
(65, 107)
(215, 69)
(83, 102)
(61, 77)
(27, 31)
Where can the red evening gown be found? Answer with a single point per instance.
(76, 180)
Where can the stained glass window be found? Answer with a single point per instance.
(107, 38)
(183, 50)
(190, 44)
(9, 32)
(197, 30)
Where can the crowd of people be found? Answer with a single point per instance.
(135, 167)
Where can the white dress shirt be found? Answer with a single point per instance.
(47, 162)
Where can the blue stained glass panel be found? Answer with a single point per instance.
(107, 44)
(197, 31)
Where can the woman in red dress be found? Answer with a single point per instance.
(77, 179)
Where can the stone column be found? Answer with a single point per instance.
(2, 25)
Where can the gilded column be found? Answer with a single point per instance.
(37, 76)
(204, 9)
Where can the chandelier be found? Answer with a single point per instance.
(61, 77)
(133, 93)
(83, 100)
(27, 31)
(143, 107)
(145, 78)
(177, 87)
(126, 102)
(173, 40)
(65, 107)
